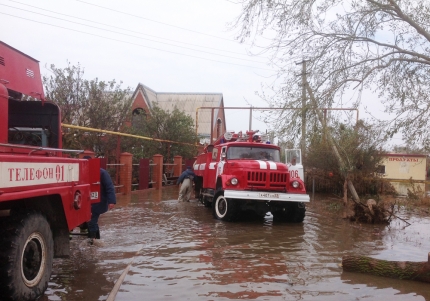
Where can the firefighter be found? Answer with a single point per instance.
(107, 202)
(294, 161)
(186, 180)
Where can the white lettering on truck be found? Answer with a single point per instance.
(17, 174)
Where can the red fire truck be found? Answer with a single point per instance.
(243, 172)
(44, 192)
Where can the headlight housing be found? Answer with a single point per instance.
(234, 181)
(295, 184)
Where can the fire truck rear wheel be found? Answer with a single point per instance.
(224, 209)
(25, 256)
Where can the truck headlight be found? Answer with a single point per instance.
(295, 184)
(234, 181)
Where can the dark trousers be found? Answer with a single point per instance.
(93, 226)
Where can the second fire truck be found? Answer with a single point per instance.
(243, 172)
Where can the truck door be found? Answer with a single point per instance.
(293, 159)
(213, 167)
(220, 166)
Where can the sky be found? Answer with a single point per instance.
(168, 45)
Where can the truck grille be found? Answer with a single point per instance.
(267, 180)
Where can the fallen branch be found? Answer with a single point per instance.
(402, 219)
(407, 270)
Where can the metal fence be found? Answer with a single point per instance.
(167, 179)
(114, 171)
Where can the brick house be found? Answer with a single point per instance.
(204, 108)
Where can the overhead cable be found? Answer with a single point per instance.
(140, 45)
(133, 36)
(125, 29)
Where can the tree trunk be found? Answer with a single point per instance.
(345, 193)
(417, 271)
(333, 145)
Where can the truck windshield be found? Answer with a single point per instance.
(254, 153)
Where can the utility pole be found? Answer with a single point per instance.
(304, 84)
(250, 118)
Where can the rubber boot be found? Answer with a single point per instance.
(91, 237)
(83, 228)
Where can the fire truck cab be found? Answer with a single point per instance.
(44, 192)
(293, 159)
(243, 172)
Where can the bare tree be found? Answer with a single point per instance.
(382, 46)
(89, 103)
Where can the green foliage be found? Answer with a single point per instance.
(360, 150)
(106, 106)
(88, 103)
(164, 125)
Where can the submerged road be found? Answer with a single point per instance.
(168, 250)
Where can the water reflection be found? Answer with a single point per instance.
(78, 278)
(181, 253)
(400, 287)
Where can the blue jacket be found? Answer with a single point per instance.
(107, 194)
(187, 174)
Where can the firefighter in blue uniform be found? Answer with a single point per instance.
(186, 181)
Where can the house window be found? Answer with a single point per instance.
(138, 118)
(380, 169)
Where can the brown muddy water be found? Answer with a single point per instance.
(177, 251)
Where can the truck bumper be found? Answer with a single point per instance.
(266, 196)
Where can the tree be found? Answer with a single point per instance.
(350, 47)
(88, 103)
(361, 156)
(162, 125)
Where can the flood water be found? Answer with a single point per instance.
(178, 251)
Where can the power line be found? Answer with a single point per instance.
(125, 29)
(140, 45)
(111, 31)
(147, 19)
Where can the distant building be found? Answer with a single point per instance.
(400, 168)
(206, 109)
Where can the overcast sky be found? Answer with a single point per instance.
(167, 45)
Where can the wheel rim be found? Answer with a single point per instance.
(33, 259)
(221, 206)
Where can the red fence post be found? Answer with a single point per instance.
(143, 174)
(189, 162)
(103, 163)
(157, 171)
(177, 168)
(125, 172)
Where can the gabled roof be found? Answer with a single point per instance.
(189, 103)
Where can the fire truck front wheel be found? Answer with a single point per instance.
(224, 209)
(26, 254)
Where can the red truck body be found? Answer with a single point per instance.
(44, 193)
(241, 173)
